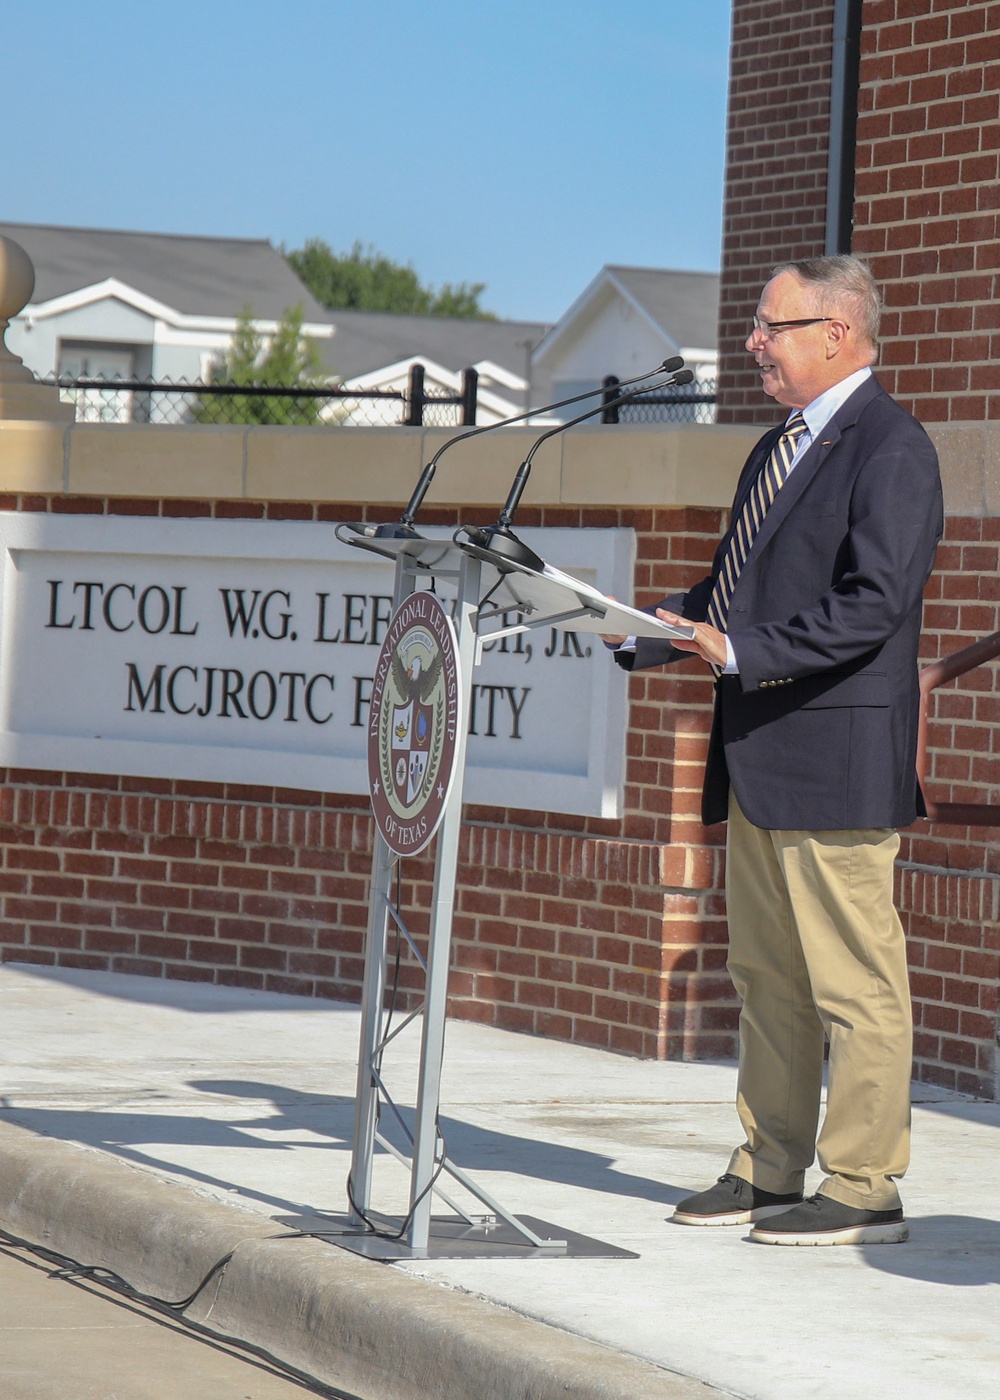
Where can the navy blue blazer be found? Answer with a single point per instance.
(819, 729)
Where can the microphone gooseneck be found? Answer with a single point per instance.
(675, 362)
(499, 541)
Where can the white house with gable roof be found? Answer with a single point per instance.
(117, 305)
(628, 320)
(112, 304)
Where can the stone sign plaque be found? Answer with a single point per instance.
(246, 652)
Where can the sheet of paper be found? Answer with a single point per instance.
(576, 606)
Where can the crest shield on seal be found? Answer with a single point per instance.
(411, 732)
(413, 723)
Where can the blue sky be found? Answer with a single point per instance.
(518, 144)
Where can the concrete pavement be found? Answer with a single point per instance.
(72, 1339)
(154, 1126)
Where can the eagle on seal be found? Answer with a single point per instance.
(413, 682)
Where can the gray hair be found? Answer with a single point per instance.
(842, 283)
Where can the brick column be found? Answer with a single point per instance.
(927, 195)
(776, 169)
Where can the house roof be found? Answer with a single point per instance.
(367, 340)
(196, 276)
(682, 306)
(217, 277)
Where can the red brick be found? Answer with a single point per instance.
(781, 216)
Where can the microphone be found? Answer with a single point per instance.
(403, 528)
(499, 541)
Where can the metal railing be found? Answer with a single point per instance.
(687, 403)
(949, 668)
(105, 400)
(102, 400)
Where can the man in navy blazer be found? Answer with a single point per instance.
(810, 620)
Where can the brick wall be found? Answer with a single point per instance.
(606, 932)
(927, 189)
(926, 199)
(927, 196)
(949, 877)
(243, 886)
(612, 932)
(776, 162)
(951, 919)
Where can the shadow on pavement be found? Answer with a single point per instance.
(324, 1122)
(960, 1250)
(981, 1111)
(176, 993)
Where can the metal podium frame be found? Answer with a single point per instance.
(561, 605)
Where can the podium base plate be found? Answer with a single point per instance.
(451, 1237)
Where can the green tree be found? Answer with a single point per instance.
(283, 360)
(366, 280)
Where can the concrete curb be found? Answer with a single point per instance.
(353, 1323)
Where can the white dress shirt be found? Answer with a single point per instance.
(816, 414)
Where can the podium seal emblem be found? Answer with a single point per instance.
(413, 723)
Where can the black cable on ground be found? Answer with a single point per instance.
(378, 1231)
(71, 1270)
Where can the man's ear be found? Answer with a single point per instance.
(836, 337)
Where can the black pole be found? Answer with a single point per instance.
(470, 391)
(846, 61)
(415, 397)
(610, 388)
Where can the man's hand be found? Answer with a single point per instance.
(612, 639)
(708, 642)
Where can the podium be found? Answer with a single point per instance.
(489, 587)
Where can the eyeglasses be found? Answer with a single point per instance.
(769, 328)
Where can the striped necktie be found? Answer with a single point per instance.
(762, 496)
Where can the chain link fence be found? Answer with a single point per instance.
(106, 400)
(163, 402)
(682, 403)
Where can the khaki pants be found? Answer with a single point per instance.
(817, 950)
